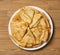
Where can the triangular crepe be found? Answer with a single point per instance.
(43, 23)
(18, 29)
(28, 38)
(37, 34)
(46, 20)
(29, 12)
(35, 19)
(25, 17)
(44, 35)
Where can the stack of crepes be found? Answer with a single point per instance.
(30, 27)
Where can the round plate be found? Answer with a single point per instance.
(51, 31)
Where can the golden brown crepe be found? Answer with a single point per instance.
(37, 34)
(18, 29)
(44, 35)
(28, 38)
(35, 19)
(29, 12)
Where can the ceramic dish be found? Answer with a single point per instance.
(51, 31)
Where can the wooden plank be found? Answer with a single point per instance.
(8, 7)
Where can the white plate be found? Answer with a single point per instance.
(51, 31)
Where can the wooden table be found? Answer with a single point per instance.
(8, 7)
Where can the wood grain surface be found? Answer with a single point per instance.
(8, 7)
